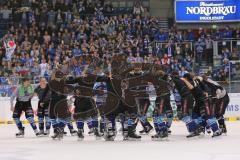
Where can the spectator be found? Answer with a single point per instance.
(227, 33)
(43, 68)
(6, 12)
(50, 34)
(182, 71)
(190, 35)
(138, 9)
(199, 50)
(165, 60)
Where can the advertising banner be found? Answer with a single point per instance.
(204, 11)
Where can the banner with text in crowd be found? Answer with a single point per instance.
(10, 46)
(205, 11)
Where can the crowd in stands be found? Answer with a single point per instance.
(50, 33)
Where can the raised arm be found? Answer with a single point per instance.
(189, 85)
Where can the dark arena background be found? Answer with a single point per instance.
(119, 79)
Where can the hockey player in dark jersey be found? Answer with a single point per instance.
(147, 127)
(141, 96)
(162, 109)
(185, 105)
(202, 107)
(43, 93)
(84, 103)
(126, 108)
(137, 98)
(58, 108)
(220, 100)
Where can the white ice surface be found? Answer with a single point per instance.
(177, 148)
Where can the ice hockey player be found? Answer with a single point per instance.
(162, 108)
(202, 107)
(84, 102)
(58, 107)
(23, 95)
(220, 101)
(184, 104)
(43, 92)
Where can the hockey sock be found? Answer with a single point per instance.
(18, 123)
(203, 123)
(89, 123)
(169, 119)
(70, 125)
(95, 122)
(212, 123)
(62, 122)
(41, 123)
(155, 124)
(191, 125)
(102, 123)
(112, 121)
(162, 126)
(198, 120)
(143, 119)
(80, 124)
(48, 123)
(221, 121)
(54, 123)
(31, 121)
(130, 122)
(125, 126)
(169, 122)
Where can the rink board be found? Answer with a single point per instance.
(232, 112)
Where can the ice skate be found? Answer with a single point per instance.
(110, 135)
(102, 132)
(155, 137)
(96, 133)
(193, 134)
(41, 133)
(223, 129)
(208, 130)
(162, 136)
(125, 135)
(217, 133)
(90, 132)
(64, 133)
(169, 131)
(20, 134)
(146, 130)
(58, 134)
(47, 132)
(37, 133)
(132, 136)
(73, 132)
(80, 134)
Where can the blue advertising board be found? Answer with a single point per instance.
(198, 11)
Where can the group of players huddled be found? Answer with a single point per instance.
(126, 94)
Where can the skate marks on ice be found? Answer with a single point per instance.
(178, 146)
